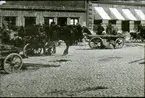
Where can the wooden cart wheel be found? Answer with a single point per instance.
(95, 43)
(119, 43)
(27, 50)
(49, 48)
(12, 63)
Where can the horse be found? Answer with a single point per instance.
(66, 34)
(49, 36)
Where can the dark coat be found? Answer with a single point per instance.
(111, 30)
(86, 30)
(66, 33)
(100, 29)
(79, 34)
(53, 32)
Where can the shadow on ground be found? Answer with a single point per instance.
(31, 66)
(142, 62)
(72, 93)
(133, 45)
(110, 58)
(135, 61)
(36, 66)
(60, 60)
(94, 49)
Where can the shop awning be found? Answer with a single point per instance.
(102, 13)
(2, 2)
(116, 13)
(140, 14)
(127, 13)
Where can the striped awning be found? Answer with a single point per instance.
(140, 14)
(2, 2)
(127, 13)
(116, 13)
(102, 13)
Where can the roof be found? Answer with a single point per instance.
(19, 7)
(45, 5)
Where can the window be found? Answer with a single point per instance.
(112, 21)
(74, 21)
(30, 21)
(125, 26)
(136, 24)
(62, 21)
(97, 21)
(11, 21)
(48, 20)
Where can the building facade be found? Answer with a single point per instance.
(23, 13)
(127, 15)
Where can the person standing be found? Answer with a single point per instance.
(79, 32)
(54, 35)
(109, 29)
(142, 31)
(100, 29)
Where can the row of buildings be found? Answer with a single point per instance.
(127, 15)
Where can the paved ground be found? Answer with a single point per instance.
(83, 73)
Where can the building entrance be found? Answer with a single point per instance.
(61, 21)
(30, 21)
(136, 25)
(125, 26)
(48, 20)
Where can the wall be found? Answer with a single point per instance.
(40, 14)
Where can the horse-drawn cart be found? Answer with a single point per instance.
(102, 41)
(10, 59)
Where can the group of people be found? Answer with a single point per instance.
(110, 29)
(47, 33)
(113, 30)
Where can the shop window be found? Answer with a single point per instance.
(136, 24)
(112, 21)
(30, 21)
(11, 21)
(97, 21)
(62, 21)
(125, 26)
(48, 20)
(74, 21)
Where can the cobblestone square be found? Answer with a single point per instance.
(82, 73)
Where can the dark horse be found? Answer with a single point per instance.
(51, 35)
(66, 33)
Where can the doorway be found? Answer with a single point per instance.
(125, 26)
(48, 20)
(112, 22)
(136, 25)
(62, 21)
(29, 21)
